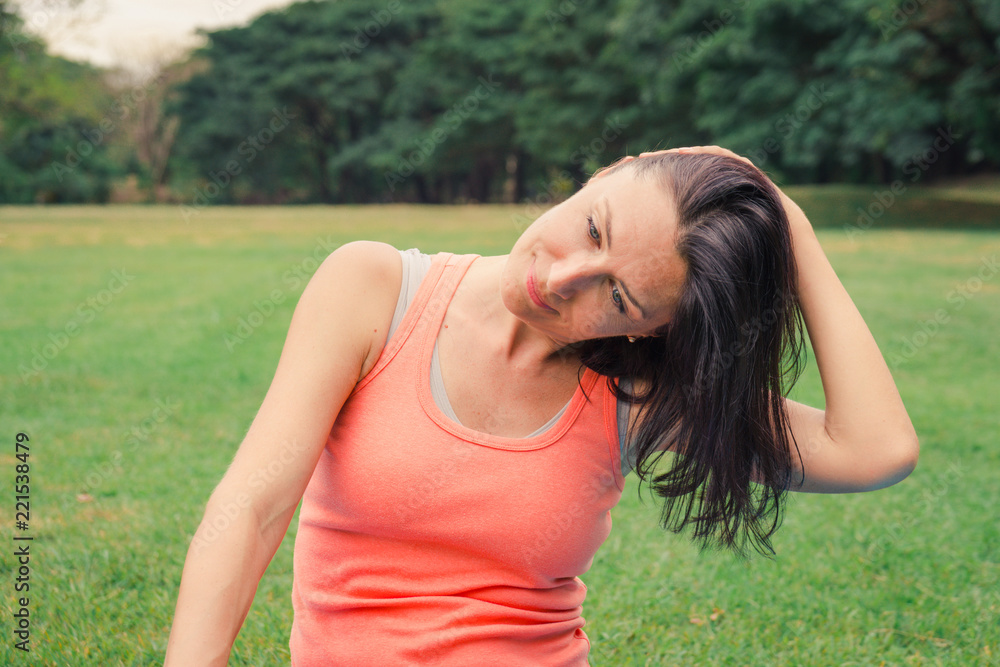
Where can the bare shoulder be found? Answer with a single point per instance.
(371, 272)
(373, 267)
(373, 254)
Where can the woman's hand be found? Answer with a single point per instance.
(712, 150)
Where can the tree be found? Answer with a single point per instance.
(303, 88)
(458, 100)
(850, 92)
(53, 125)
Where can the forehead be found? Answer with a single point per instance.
(643, 223)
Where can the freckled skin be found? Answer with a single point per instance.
(575, 273)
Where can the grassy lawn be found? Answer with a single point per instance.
(137, 346)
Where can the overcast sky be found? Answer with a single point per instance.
(132, 33)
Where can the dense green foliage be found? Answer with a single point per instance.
(455, 100)
(136, 390)
(53, 123)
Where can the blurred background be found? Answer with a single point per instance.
(453, 101)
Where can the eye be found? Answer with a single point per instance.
(616, 297)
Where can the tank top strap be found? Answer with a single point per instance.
(428, 307)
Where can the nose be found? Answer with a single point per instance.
(570, 275)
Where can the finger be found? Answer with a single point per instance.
(715, 150)
(600, 172)
(660, 152)
(691, 150)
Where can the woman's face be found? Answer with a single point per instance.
(603, 263)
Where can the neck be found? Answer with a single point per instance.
(522, 344)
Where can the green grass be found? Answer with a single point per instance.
(902, 576)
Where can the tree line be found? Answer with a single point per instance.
(454, 100)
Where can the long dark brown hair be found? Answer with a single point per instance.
(716, 374)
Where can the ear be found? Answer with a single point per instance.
(600, 172)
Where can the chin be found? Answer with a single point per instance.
(512, 287)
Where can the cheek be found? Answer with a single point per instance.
(589, 322)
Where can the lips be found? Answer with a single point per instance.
(533, 291)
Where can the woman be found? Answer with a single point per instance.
(654, 311)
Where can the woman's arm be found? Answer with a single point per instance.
(864, 439)
(336, 335)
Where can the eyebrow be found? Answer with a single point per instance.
(607, 228)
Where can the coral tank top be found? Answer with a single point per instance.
(424, 542)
